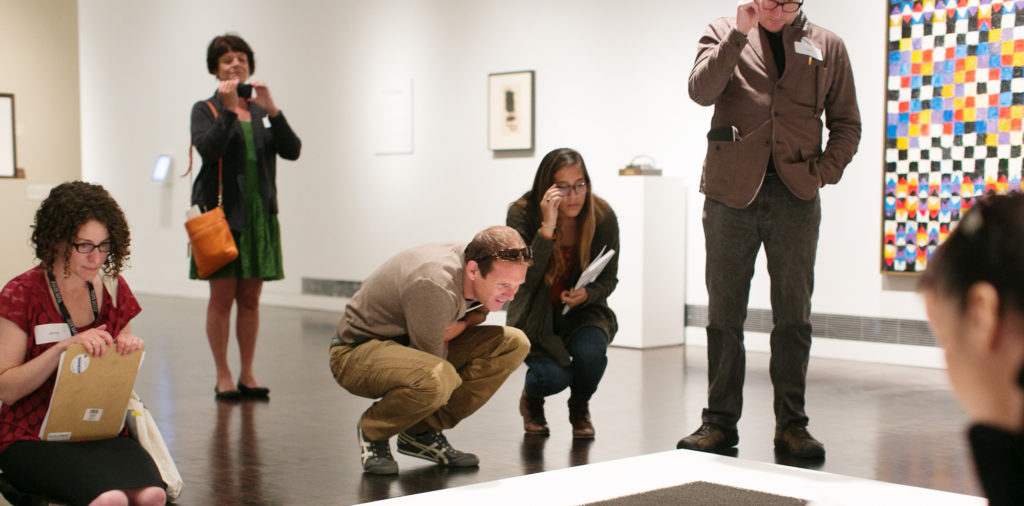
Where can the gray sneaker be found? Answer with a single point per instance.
(376, 455)
(433, 446)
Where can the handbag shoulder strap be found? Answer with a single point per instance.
(220, 165)
(110, 282)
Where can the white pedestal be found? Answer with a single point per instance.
(650, 297)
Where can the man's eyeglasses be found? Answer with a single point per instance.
(510, 254)
(770, 5)
(86, 247)
(570, 189)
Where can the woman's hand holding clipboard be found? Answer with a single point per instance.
(591, 272)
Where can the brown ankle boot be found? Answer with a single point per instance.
(579, 417)
(533, 415)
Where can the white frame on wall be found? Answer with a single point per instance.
(510, 111)
(8, 155)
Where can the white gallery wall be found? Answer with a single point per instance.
(610, 82)
(39, 66)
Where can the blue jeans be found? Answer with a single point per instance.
(588, 348)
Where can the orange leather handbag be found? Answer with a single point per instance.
(209, 235)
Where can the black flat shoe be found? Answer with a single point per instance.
(227, 395)
(253, 392)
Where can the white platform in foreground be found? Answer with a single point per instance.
(607, 480)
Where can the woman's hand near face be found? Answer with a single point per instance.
(95, 340)
(549, 207)
(227, 91)
(128, 343)
(264, 99)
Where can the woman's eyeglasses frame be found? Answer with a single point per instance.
(86, 248)
(580, 188)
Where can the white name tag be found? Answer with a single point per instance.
(52, 333)
(266, 122)
(806, 47)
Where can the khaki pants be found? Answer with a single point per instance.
(418, 390)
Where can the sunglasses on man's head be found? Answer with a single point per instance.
(510, 254)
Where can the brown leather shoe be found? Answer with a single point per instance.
(709, 438)
(579, 417)
(533, 415)
(795, 440)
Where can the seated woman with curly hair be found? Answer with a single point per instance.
(80, 235)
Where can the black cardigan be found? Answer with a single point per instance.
(531, 309)
(222, 137)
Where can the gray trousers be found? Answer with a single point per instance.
(788, 228)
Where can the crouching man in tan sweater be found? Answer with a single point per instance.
(411, 337)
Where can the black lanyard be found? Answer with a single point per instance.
(64, 309)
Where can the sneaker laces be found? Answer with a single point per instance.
(374, 449)
(442, 444)
(380, 449)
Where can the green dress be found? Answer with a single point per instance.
(259, 245)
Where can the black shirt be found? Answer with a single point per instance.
(779, 52)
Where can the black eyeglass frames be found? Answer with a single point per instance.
(786, 6)
(86, 247)
(570, 189)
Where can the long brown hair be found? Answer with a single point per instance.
(589, 215)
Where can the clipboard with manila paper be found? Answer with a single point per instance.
(90, 395)
(591, 272)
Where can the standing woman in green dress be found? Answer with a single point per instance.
(241, 126)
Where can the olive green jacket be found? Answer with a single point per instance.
(531, 310)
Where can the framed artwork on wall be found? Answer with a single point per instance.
(8, 159)
(510, 111)
(953, 112)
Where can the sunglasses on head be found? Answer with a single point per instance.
(510, 254)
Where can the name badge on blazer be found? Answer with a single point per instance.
(266, 122)
(806, 47)
(51, 333)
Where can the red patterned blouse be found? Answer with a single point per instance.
(26, 302)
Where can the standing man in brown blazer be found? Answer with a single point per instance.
(770, 74)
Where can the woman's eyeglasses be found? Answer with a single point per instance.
(86, 247)
(570, 189)
(510, 254)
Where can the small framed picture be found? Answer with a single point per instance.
(510, 111)
(8, 160)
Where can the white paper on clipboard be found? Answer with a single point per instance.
(592, 272)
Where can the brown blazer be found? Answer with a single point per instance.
(777, 116)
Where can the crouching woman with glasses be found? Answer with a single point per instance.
(567, 227)
(80, 235)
